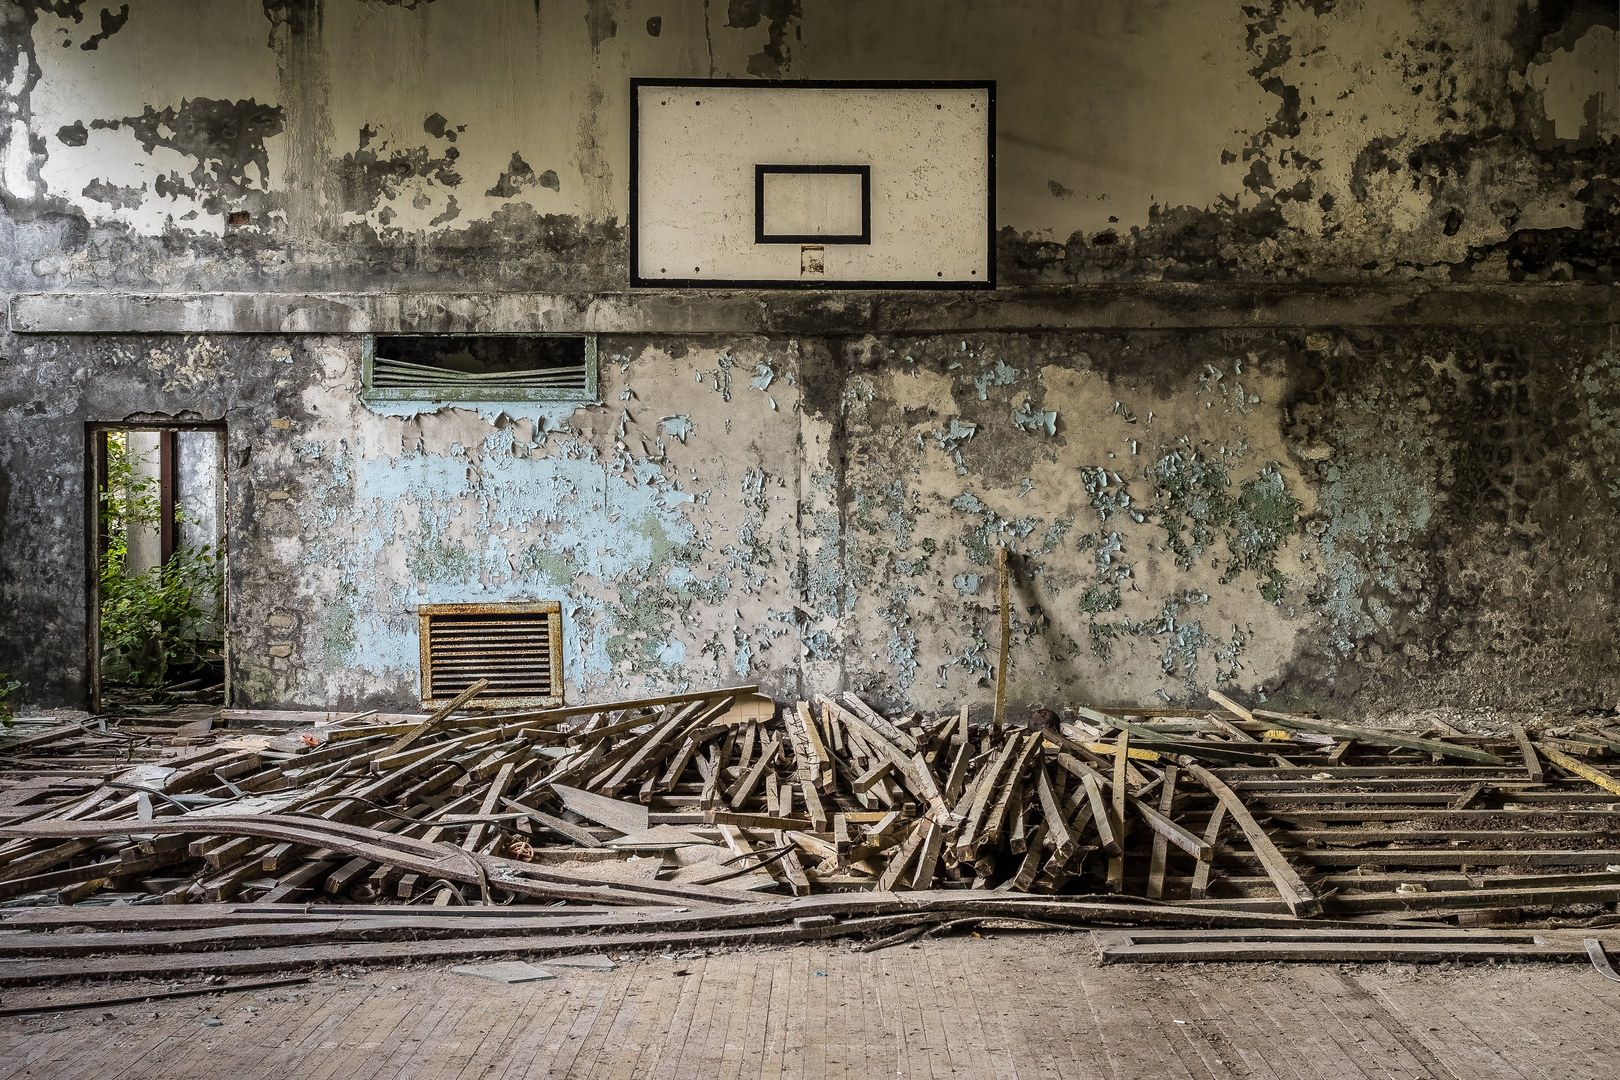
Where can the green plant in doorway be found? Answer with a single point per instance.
(152, 620)
(8, 686)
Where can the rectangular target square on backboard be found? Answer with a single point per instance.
(809, 204)
(733, 182)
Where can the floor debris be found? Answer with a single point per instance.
(692, 819)
(505, 971)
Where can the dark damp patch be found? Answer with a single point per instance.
(746, 14)
(173, 186)
(62, 9)
(1373, 158)
(436, 126)
(451, 212)
(118, 198)
(368, 176)
(296, 15)
(520, 174)
(110, 25)
(599, 23)
(224, 137)
(1259, 177)
(1539, 30)
(1058, 190)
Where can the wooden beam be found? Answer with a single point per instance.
(1532, 763)
(1579, 768)
(1230, 706)
(1161, 842)
(1381, 738)
(1294, 892)
(792, 868)
(894, 873)
(1000, 717)
(1200, 882)
(744, 787)
(1064, 843)
(928, 858)
(406, 740)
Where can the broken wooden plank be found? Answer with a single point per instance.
(1101, 815)
(616, 814)
(439, 714)
(814, 807)
(1212, 835)
(1294, 892)
(792, 868)
(893, 873)
(1161, 842)
(999, 716)
(744, 787)
(1579, 768)
(1230, 706)
(928, 858)
(1374, 737)
(1064, 843)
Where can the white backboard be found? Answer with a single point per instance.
(812, 184)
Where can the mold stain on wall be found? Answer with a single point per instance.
(1316, 516)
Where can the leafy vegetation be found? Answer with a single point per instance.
(153, 620)
(8, 686)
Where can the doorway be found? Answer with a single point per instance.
(157, 567)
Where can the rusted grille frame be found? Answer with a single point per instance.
(551, 609)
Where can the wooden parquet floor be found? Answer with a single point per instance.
(1021, 1006)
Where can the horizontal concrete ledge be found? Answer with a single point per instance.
(1159, 306)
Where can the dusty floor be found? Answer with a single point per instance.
(1009, 1006)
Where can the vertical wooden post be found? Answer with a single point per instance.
(168, 492)
(1006, 629)
(102, 496)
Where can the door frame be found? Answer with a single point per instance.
(95, 476)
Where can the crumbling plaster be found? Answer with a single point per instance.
(485, 142)
(1327, 518)
(1334, 492)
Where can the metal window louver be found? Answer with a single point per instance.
(513, 367)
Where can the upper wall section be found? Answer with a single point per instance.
(384, 145)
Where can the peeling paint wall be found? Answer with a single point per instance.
(485, 142)
(1352, 517)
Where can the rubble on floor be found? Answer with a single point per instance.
(714, 817)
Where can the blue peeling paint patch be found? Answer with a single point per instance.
(1033, 420)
(1000, 375)
(483, 524)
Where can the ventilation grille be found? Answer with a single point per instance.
(464, 367)
(517, 647)
(404, 375)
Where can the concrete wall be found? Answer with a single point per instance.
(1306, 379)
(145, 545)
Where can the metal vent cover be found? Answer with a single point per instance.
(479, 367)
(517, 647)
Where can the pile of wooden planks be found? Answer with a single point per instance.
(720, 800)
